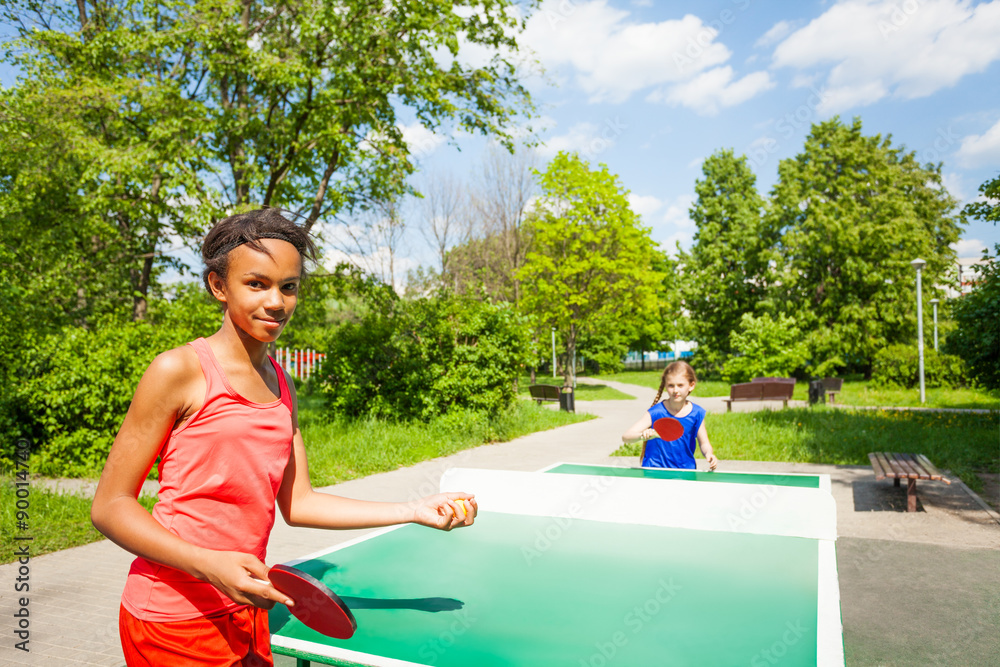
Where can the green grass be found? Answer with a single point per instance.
(340, 450)
(55, 520)
(584, 392)
(960, 442)
(855, 392)
(651, 379)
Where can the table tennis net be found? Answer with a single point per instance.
(740, 508)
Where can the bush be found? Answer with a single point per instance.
(898, 366)
(418, 359)
(977, 315)
(78, 384)
(768, 348)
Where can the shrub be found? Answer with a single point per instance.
(767, 348)
(899, 366)
(78, 384)
(417, 359)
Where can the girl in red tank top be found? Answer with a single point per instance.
(221, 416)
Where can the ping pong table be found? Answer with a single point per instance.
(589, 566)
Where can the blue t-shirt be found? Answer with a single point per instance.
(677, 453)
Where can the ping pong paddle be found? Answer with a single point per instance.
(315, 605)
(668, 428)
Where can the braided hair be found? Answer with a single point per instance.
(682, 367)
(247, 229)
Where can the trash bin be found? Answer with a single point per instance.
(566, 399)
(816, 393)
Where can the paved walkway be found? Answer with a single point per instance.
(918, 588)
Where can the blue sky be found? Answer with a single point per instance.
(653, 88)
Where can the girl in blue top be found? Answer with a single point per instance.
(678, 381)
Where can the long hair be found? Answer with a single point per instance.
(672, 368)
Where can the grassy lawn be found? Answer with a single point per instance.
(651, 379)
(339, 450)
(962, 443)
(584, 392)
(55, 521)
(859, 393)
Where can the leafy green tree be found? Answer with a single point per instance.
(765, 347)
(648, 331)
(726, 273)
(161, 114)
(987, 210)
(976, 337)
(591, 261)
(853, 212)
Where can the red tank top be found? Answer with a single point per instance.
(219, 477)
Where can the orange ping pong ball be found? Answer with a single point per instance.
(461, 506)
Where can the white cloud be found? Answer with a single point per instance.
(776, 33)
(612, 57)
(906, 50)
(711, 90)
(644, 205)
(422, 142)
(969, 248)
(952, 182)
(588, 139)
(981, 150)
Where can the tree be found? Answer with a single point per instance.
(444, 214)
(173, 112)
(765, 347)
(987, 210)
(591, 260)
(726, 273)
(854, 211)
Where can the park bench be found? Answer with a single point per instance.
(775, 379)
(910, 467)
(544, 392)
(832, 386)
(761, 389)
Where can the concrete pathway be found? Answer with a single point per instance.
(914, 586)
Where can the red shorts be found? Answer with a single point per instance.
(236, 638)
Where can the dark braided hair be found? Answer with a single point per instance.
(675, 367)
(247, 229)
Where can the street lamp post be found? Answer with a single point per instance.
(935, 302)
(553, 352)
(919, 264)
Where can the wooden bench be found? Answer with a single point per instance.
(775, 379)
(832, 386)
(544, 392)
(910, 467)
(761, 389)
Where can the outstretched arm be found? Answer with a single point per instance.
(641, 430)
(303, 506)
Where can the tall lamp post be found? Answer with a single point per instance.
(553, 352)
(919, 264)
(935, 302)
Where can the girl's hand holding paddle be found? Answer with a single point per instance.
(445, 511)
(241, 577)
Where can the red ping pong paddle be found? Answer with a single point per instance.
(315, 605)
(668, 428)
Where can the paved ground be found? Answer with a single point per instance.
(920, 588)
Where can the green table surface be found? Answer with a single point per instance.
(522, 590)
(805, 481)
